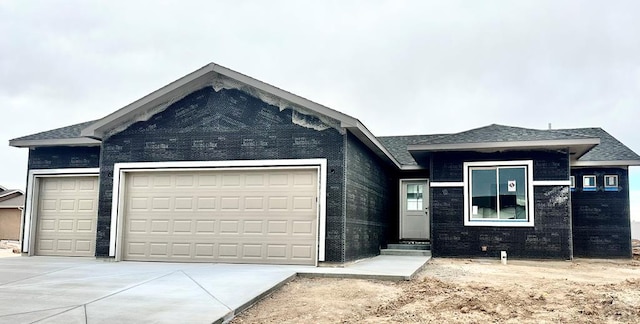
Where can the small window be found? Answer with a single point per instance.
(611, 183)
(573, 183)
(589, 183)
(414, 196)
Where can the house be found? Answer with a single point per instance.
(218, 166)
(11, 205)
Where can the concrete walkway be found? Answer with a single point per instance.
(81, 290)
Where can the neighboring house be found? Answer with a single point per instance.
(11, 205)
(218, 166)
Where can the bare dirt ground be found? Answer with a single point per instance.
(466, 291)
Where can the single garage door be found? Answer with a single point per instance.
(66, 217)
(235, 216)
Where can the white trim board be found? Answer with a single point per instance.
(29, 216)
(120, 169)
(446, 184)
(535, 183)
(551, 182)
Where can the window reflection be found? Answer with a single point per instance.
(414, 196)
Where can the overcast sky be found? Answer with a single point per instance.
(400, 67)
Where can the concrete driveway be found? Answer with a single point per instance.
(75, 290)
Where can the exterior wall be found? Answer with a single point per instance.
(601, 219)
(10, 223)
(549, 238)
(226, 125)
(369, 200)
(61, 157)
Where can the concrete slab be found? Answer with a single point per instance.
(382, 267)
(86, 290)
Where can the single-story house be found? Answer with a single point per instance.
(11, 205)
(218, 166)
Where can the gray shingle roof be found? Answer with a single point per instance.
(500, 133)
(397, 146)
(72, 131)
(9, 201)
(609, 149)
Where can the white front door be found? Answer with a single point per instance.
(414, 218)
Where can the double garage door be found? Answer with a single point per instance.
(233, 216)
(265, 216)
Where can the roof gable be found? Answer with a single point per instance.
(211, 75)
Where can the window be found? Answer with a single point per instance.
(414, 196)
(498, 193)
(589, 183)
(611, 183)
(573, 183)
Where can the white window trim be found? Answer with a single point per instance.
(28, 229)
(508, 223)
(573, 182)
(116, 235)
(589, 188)
(607, 186)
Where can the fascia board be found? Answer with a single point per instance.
(372, 142)
(76, 141)
(152, 99)
(411, 167)
(10, 192)
(605, 163)
(200, 78)
(503, 145)
(288, 96)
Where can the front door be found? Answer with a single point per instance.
(414, 218)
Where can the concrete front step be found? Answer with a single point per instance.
(401, 246)
(405, 252)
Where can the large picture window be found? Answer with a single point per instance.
(498, 193)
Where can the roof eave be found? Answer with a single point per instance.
(192, 80)
(195, 81)
(366, 137)
(613, 163)
(483, 146)
(76, 141)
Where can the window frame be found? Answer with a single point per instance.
(589, 188)
(528, 222)
(607, 187)
(572, 186)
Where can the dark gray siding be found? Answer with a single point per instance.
(601, 219)
(61, 157)
(226, 125)
(549, 238)
(369, 201)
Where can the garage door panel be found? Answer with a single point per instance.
(66, 216)
(256, 216)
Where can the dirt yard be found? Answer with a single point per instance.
(466, 291)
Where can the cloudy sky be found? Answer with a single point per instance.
(401, 67)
